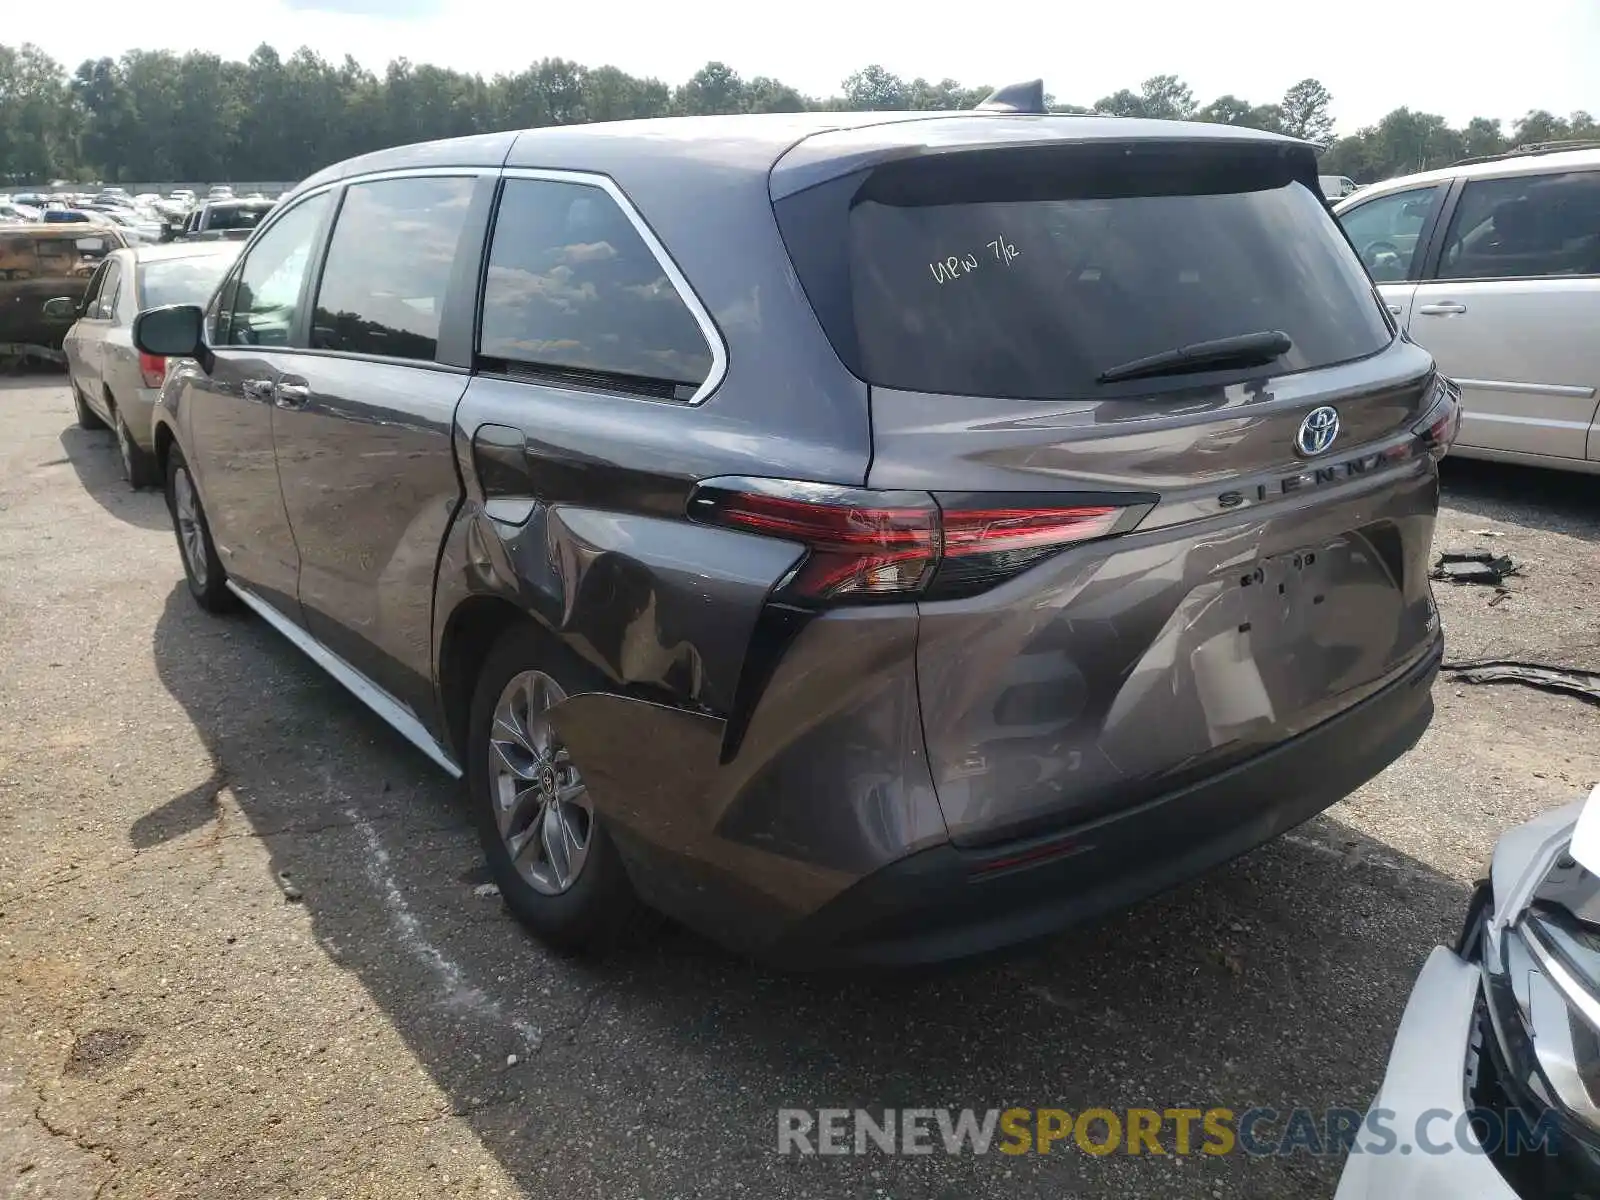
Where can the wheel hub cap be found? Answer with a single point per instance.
(541, 805)
(186, 512)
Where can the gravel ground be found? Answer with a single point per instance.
(245, 948)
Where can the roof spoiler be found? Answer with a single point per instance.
(1025, 97)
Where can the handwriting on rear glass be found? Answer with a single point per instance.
(945, 270)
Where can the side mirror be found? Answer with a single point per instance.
(62, 308)
(170, 332)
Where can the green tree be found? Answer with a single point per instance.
(766, 95)
(1482, 136)
(198, 117)
(714, 88)
(110, 120)
(873, 88)
(1162, 97)
(1537, 125)
(39, 118)
(1230, 110)
(1307, 109)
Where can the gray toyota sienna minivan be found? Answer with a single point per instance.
(867, 537)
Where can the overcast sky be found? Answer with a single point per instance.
(1461, 59)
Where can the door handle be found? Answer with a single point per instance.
(1393, 308)
(257, 389)
(1442, 309)
(291, 393)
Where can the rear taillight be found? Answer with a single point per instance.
(1442, 422)
(152, 369)
(865, 545)
(861, 545)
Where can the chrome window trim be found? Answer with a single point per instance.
(680, 282)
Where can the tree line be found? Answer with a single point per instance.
(152, 114)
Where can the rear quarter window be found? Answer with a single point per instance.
(1026, 277)
(574, 293)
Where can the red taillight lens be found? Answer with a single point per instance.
(1442, 422)
(858, 547)
(985, 545)
(153, 369)
(897, 545)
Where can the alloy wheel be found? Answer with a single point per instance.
(541, 805)
(186, 511)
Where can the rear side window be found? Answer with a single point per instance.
(65, 256)
(19, 256)
(236, 218)
(180, 280)
(105, 306)
(388, 268)
(573, 293)
(1529, 226)
(1027, 274)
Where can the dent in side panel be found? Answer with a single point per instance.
(830, 783)
(662, 606)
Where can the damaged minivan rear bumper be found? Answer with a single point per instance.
(947, 902)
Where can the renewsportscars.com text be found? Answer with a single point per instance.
(1178, 1131)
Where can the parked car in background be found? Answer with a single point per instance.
(113, 385)
(1064, 535)
(1493, 265)
(39, 263)
(220, 191)
(12, 211)
(231, 220)
(182, 196)
(1503, 1025)
(138, 229)
(61, 215)
(1336, 187)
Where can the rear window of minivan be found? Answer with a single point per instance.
(1026, 274)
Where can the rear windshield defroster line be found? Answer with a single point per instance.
(1030, 273)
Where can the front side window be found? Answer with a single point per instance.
(393, 249)
(574, 293)
(1526, 226)
(261, 301)
(1385, 230)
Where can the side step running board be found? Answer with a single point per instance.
(397, 715)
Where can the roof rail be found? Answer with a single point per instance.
(1025, 97)
(1530, 149)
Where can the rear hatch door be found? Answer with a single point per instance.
(1172, 326)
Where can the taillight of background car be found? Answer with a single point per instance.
(152, 369)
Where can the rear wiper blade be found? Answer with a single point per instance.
(1243, 350)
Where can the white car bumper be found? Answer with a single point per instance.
(1426, 1074)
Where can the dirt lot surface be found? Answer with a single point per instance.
(245, 950)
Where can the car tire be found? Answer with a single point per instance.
(208, 581)
(87, 418)
(594, 909)
(138, 465)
